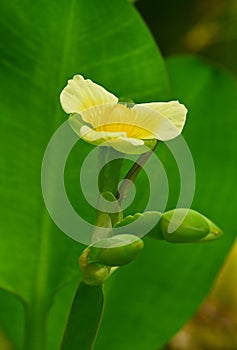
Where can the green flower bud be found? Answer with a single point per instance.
(190, 226)
(115, 251)
(141, 223)
(92, 274)
(214, 233)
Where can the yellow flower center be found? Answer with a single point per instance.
(131, 130)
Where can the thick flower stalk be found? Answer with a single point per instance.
(98, 117)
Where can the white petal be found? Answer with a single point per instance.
(90, 135)
(97, 137)
(127, 145)
(173, 110)
(130, 146)
(76, 122)
(138, 122)
(117, 140)
(81, 94)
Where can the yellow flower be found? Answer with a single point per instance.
(98, 118)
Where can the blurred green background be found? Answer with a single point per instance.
(45, 43)
(207, 29)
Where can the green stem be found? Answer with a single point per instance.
(110, 172)
(110, 164)
(132, 175)
(84, 320)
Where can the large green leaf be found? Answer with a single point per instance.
(42, 45)
(11, 316)
(149, 300)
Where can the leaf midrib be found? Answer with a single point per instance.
(41, 297)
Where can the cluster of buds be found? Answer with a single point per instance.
(100, 118)
(99, 260)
